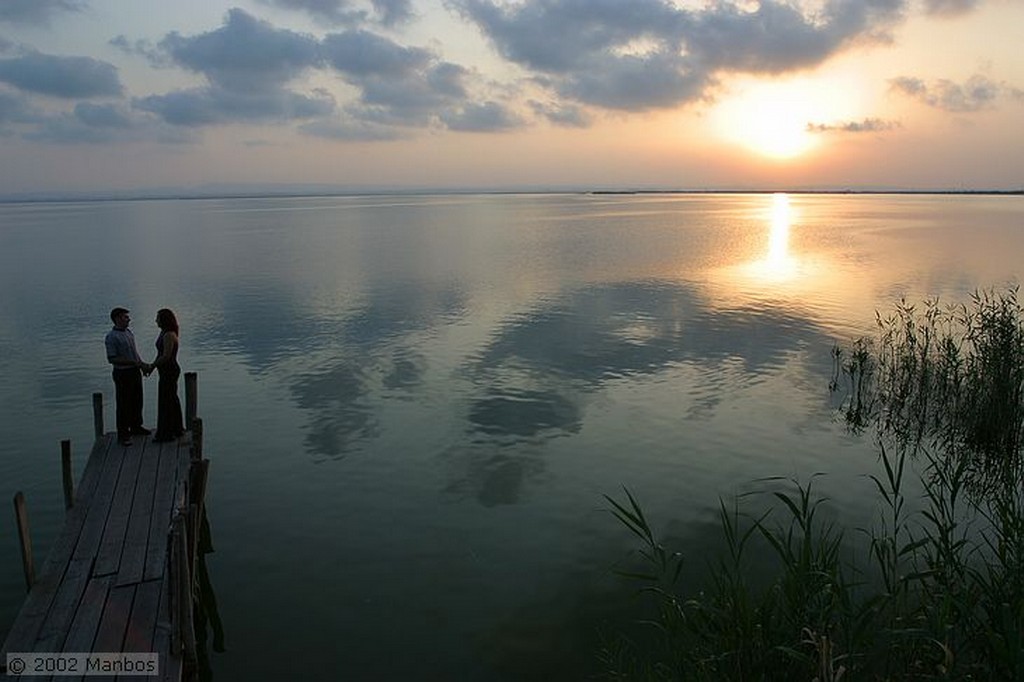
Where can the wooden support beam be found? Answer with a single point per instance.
(97, 414)
(191, 397)
(176, 563)
(21, 516)
(195, 449)
(69, 478)
(183, 639)
(198, 473)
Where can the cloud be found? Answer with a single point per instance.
(67, 129)
(38, 12)
(631, 83)
(67, 77)
(249, 65)
(102, 115)
(398, 85)
(393, 11)
(613, 54)
(85, 124)
(566, 116)
(867, 125)
(89, 124)
(976, 93)
(335, 12)
(211, 106)
(15, 108)
(329, 11)
(245, 54)
(648, 54)
(361, 53)
(142, 48)
(350, 131)
(950, 7)
(480, 118)
(410, 99)
(772, 39)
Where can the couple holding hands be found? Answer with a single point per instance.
(129, 370)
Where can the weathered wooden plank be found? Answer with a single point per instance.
(142, 623)
(160, 520)
(58, 620)
(82, 635)
(170, 666)
(136, 542)
(62, 610)
(94, 468)
(87, 619)
(114, 622)
(96, 517)
(25, 629)
(108, 557)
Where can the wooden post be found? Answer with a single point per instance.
(196, 448)
(97, 414)
(175, 564)
(21, 516)
(191, 397)
(198, 473)
(183, 581)
(69, 479)
(192, 530)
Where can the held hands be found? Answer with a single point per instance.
(147, 369)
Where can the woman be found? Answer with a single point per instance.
(168, 411)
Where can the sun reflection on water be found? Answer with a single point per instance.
(771, 265)
(778, 264)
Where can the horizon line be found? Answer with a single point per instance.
(311, 191)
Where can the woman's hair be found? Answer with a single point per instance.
(166, 320)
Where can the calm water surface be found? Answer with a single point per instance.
(414, 404)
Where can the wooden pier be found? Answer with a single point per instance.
(121, 575)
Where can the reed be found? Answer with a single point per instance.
(941, 592)
(949, 378)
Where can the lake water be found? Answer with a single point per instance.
(415, 404)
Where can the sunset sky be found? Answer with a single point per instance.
(140, 95)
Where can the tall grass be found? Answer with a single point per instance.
(945, 377)
(940, 592)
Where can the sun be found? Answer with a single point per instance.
(772, 118)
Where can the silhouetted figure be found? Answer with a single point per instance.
(169, 423)
(128, 371)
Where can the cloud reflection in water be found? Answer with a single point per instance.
(535, 377)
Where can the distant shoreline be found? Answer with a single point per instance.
(300, 194)
(1010, 192)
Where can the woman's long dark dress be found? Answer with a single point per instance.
(169, 424)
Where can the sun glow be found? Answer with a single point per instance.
(772, 119)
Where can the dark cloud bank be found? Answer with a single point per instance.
(583, 56)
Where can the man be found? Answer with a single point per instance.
(128, 369)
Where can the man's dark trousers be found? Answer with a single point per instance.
(128, 395)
